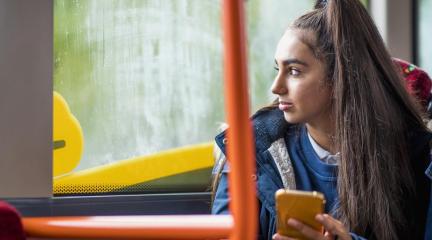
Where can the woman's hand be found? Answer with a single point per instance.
(334, 229)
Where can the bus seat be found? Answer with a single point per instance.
(10, 223)
(68, 140)
(418, 82)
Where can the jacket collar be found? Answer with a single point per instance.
(268, 126)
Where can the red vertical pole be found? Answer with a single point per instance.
(241, 150)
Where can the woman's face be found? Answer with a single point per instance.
(304, 97)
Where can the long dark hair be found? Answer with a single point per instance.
(373, 115)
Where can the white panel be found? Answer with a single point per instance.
(394, 21)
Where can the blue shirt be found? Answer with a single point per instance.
(312, 174)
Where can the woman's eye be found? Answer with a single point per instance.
(294, 72)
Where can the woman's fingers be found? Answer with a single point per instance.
(280, 237)
(328, 235)
(305, 229)
(333, 227)
(328, 223)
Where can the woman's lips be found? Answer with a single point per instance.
(285, 106)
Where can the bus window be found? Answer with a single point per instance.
(143, 79)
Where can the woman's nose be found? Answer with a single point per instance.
(279, 86)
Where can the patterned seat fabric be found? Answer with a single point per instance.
(10, 223)
(418, 82)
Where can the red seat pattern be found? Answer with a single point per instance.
(418, 81)
(10, 223)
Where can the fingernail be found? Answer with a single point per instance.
(319, 217)
(292, 222)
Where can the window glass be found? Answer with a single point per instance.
(425, 35)
(144, 81)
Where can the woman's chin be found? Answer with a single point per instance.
(290, 118)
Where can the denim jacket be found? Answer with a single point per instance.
(269, 126)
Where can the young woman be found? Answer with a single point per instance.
(344, 125)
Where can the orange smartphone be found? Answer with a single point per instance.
(301, 205)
